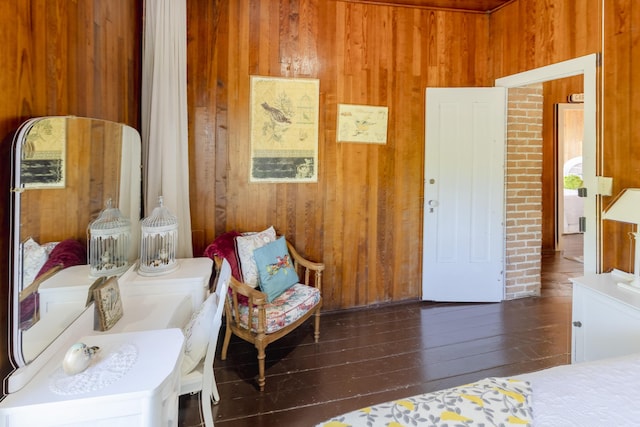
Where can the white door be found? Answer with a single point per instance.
(463, 243)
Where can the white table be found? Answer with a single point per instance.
(154, 307)
(142, 392)
(191, 276)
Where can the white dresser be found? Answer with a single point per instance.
(133, 381)
(145, 393)
(605, 318)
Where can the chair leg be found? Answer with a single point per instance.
(261, 357)
(215, 395)
(206, 410)
(206, 395)
(316, 334)
(225, 344)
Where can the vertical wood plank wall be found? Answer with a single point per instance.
(62, 57)
(621, 121)
(530, 34)
(364, 216)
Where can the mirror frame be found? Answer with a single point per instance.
(130, 149)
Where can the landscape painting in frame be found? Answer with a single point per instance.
(284, 129)
(362, 123)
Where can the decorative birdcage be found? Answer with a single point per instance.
(108, 241)
(159, 239)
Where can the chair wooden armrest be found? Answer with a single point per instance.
(254, 328)
(304, 267)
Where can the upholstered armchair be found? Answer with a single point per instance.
(257, 313)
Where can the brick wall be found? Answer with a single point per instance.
(523, 192)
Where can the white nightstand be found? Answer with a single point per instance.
(605, 318)
(143, 391)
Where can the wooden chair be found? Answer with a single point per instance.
(291, 309)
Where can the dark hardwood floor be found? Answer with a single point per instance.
(377, 354)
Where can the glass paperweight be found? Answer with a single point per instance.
(108, 240)
(159, 239)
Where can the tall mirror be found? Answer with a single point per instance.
(64, 170)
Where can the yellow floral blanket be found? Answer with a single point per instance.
(488, 402)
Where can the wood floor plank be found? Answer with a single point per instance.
(373, 355)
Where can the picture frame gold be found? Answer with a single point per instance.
(108, 304)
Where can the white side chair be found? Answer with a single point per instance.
(202, 333)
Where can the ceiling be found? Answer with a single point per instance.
(462, 5)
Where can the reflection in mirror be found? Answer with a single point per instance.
(63, 171)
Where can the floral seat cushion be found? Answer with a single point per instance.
(285, 309)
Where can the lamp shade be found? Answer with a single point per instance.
(109, 238)
(158, 242)
(625, 207)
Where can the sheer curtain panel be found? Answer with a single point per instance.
(164, 113)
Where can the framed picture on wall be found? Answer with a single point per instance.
(43, 159)
(362, 123)
(284, 129)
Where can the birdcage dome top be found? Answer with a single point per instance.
(160, 219)
(110, 220)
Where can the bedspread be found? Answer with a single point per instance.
(489, 402)
(600, 393)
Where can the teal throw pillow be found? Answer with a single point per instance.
(275, 268)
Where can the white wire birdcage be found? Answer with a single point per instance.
(108, 241)
(158, 243)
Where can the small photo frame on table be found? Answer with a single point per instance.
(105, 293)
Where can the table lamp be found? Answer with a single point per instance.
(625, 207)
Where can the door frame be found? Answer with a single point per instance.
(592, 154)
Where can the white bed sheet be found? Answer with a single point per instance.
(590, 394)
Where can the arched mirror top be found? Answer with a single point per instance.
(64, 169)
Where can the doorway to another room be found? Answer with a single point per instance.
(542, 225)
(569, 119)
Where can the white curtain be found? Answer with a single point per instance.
(164, 114)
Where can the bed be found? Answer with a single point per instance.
(591, 394)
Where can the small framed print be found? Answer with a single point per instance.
(362, 123)
(108, 304)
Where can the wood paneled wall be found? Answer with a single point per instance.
(621, 120)
(534, 33)
(528, 34)
(59, 57)
(364, 216)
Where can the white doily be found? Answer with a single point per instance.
(104, 370)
